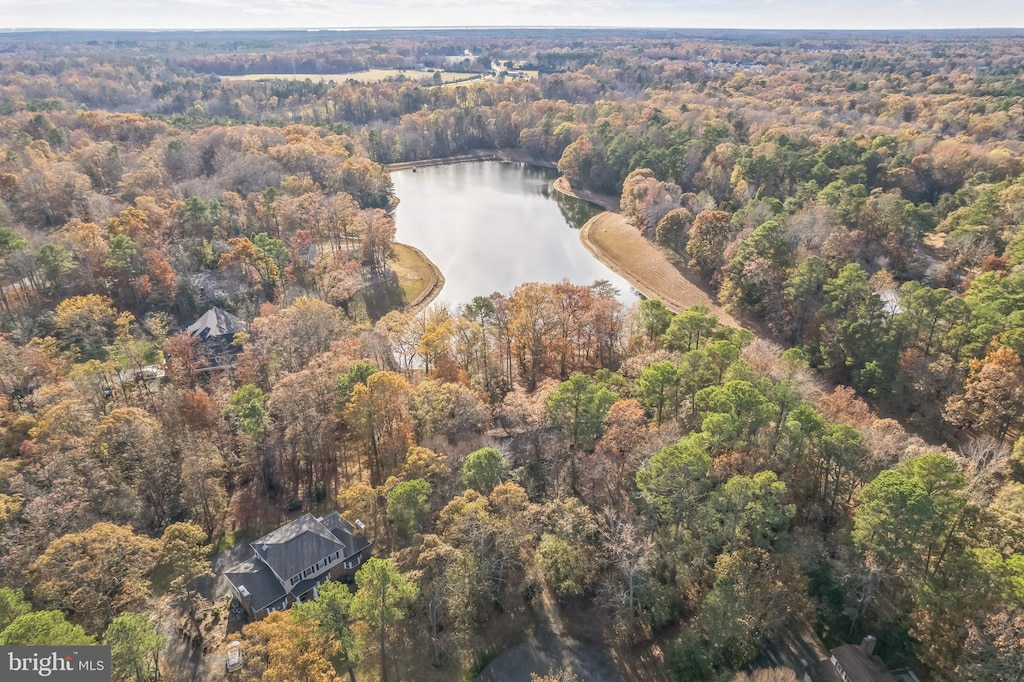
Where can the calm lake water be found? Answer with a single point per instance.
(490, 226)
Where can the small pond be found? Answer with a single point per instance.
(490, 226)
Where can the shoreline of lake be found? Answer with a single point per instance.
(605, 201)
(610, 239)
(490, 226)
(434, 279)
(509, 155)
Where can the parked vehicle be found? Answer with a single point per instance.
(234, 661)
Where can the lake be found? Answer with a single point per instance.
(490, 226)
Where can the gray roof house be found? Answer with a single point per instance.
(289, 563)
(216, 330)
(216, 323)
(856, 663)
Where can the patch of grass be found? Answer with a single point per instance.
(413, 273)
(415, 277)
(233, 537)
(481, 663)
(380, 299)
(419, 279)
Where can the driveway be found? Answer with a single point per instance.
(183, 662)
(551, 650)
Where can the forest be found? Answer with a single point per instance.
(684, 495)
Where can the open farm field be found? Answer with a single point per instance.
(368, 76)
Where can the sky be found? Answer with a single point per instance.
(770, 14)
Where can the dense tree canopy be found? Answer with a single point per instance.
(655, 480)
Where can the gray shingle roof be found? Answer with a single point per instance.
(297, 546)
(859, 666)
(345, 533)
(303, 586)
(216, 322)
(258, 580)
(290, 549)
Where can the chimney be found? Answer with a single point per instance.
(867, 645)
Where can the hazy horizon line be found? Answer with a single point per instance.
(464, 27)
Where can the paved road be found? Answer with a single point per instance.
(551, 650)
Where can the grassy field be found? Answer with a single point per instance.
(369, 76)
(419, 278)
(654, 271)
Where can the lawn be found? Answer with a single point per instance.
(654, 271)
(419, 279)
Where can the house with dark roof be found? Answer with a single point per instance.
(216, 330)
(289, 563)
(217, 324)
(856, 663)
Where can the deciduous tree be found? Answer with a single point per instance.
(283, 647)
(993, 396)
(86, 321)
(96, 574)
(709, 235)
(186, 553)
(378, 419)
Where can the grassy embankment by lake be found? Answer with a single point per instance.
(416, 284)
(421, 281)
(655, 271)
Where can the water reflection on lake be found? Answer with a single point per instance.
(490, 226)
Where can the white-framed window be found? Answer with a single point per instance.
(354, 561)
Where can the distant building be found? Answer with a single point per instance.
(289, 563)
(856, 663)
(217, 324)
(216, 330)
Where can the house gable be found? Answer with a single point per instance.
(289, 562)
(292, 548)
(216, 323)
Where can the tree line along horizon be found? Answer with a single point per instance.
(693, 487)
